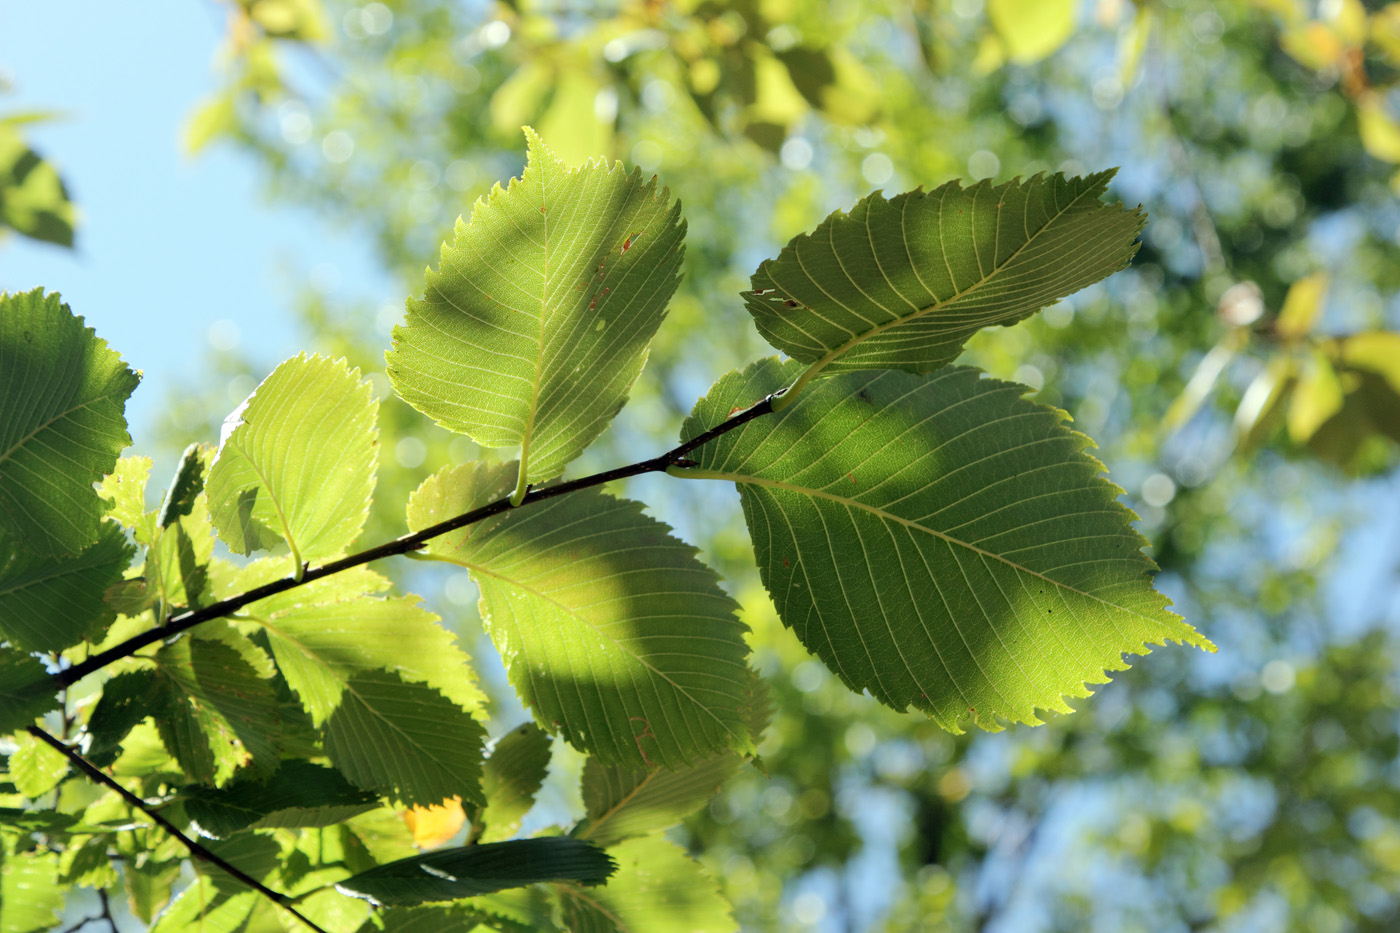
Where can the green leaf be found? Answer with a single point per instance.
(299, 794)
(657, 889)
(126, 700)
(621, 803)
(939, 541)
(125, 487)
(611, 629)
(902, 283)
(449, 874)
(514, 771)
(52, 603)
(33, 198)
(30, 896)
(25, 693)
(148, 883)
(296, 462)
(326, 632)
(36, 767)
(405, 740)
(62, 398)
(219, 714)
(177, 564)
(559, 281)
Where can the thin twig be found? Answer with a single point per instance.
(195, 849)
(107, 910)
(176, 624)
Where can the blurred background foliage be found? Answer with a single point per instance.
(1242, 380)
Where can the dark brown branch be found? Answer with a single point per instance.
(195, 849)
(176, 624)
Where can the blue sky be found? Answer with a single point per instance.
(168, 246)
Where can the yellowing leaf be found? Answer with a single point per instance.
(1317, 397)
(1380, 134)
(1033, 29)
(432, 826)
(572, 122)
(1302, 306)
(1377, 351)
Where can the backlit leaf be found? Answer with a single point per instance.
(610, 629)
(297, 461)
(657, 889)
(939, 541)
(514, 771)
(36, 766)
(1033, 29)
(404, 740)
(621, 802)
(559, 281)
(902, 283)
(62, 397)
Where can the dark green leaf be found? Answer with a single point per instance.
(405, 740)
(450, 874)
(126, 700)
(25, 691)
(298, 794)
(187, 484)
(52, 603)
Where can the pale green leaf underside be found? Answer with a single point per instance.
(657, 889)
(63, 395)
(535, 325)
(611, 629)
(939, 541)
(298, 464)
(902, 283)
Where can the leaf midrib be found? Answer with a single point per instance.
(832, 355)
(738, 478)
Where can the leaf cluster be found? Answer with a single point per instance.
(932, 536)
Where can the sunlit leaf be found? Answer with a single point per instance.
(36, 766)
(125, 488)
(902, 283)
(610, 628)
(297, 461)
(62, 397)
(326, 632)
(559, 281)
(657, 889)
(30, 896)
(48, 603)
(449, 874)
(1316, 398)
(938, 541)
